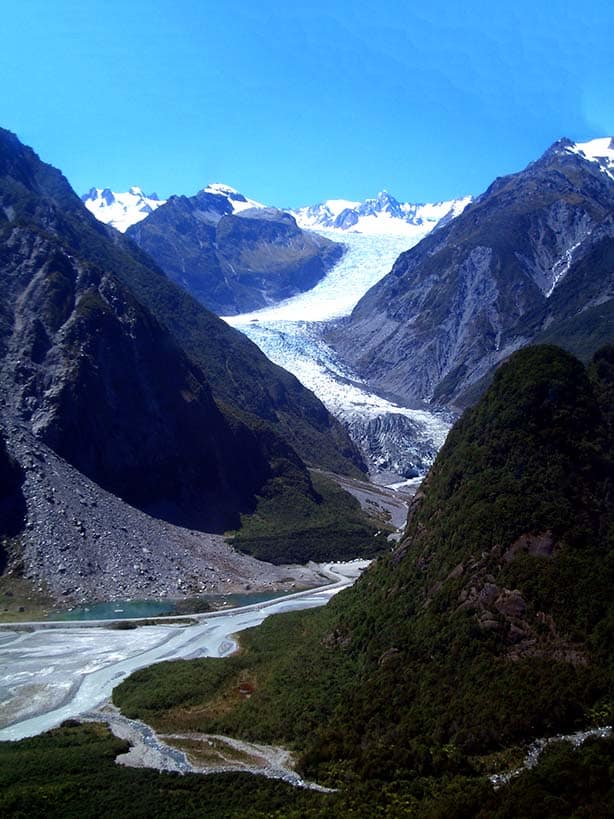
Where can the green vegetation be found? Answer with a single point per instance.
(292, 676)
(70, 772)
(298, 520)
(20, 600)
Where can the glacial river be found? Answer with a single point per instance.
(50, 673)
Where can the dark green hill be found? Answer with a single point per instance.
(488, 626)
(494, 611)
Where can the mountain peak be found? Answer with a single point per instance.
(599, 151)
(219, 187)
(121, 209)
(237, 200)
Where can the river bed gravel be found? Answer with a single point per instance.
(50, 673)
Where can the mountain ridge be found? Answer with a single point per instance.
(380, 214)
(120, 210)
(233, 259)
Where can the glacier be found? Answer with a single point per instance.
(399, 443)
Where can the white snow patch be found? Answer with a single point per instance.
(381, 215)
(561, 268)
(237, 200)
(121, 210)
(600, 151)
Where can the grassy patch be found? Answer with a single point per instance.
(20, 600)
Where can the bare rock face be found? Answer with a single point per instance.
(531, 259)
(96, 378)
(510, 603)
(540, 545)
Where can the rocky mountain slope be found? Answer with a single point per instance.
(233, 259)
(90, 372)
(485, 628)
(81, 543)
(530, 259)
(98, 379)
(380, 215)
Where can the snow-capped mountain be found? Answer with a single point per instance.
(528, 262)
(600, 151)
(237, 201)
(381, 215)
(121, 209)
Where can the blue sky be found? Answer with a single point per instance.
(295, 103)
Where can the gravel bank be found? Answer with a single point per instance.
(83, 544)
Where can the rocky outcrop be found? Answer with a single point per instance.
(530, 259)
